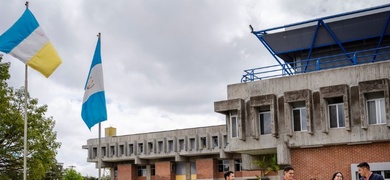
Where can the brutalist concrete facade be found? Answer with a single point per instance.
(353, 85)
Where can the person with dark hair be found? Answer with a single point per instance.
(337, 176)
(365, 172)
(288, 173)
(229, 175)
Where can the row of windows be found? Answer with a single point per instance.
(375, 108)
(222, 166)
(215, 143)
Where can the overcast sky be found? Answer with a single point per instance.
(165, 63)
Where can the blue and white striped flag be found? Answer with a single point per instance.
(94, 102)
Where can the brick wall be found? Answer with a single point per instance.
(321, 163)
(163, 171)
(126, 172)
(206, 168)
(249, 174)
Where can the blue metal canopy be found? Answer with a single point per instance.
(297, 47)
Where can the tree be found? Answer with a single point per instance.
(55, 172)
(41, 139)
(267, 164)
(71, 174)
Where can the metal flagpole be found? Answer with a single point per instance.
(25, 121)
(100, 158)
(99, 151)
(25, 126)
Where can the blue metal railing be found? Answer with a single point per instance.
(316, 64)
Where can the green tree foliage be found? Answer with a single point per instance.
(42, 144)
(71, 174)
(267, 163)
(55, 172)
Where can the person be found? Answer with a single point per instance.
(365, 172)
(288, 173)
(229, 175)
(337, 176)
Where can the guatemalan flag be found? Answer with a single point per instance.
(26, 41)
(94, 102)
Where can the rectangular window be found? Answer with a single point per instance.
(192, 143)
(150, 146)
(160, 147)
(215, 141)
(223, 165)
(387, 174)
(237, 165)
(234, 124)
(94, 152)
(225, 140)
(299, 117)
(336, 115)
(131, 149)
(141, 148)
(141, 170)
(103, 151)
(376, 111)
(265, 122)
(112, 151)
(203, 142)
(170, 145)
(152, 170)
(181, 144)
(121, 150)
(336, 112)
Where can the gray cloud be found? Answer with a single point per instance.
(164, 62)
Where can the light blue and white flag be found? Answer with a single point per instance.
(94, 102)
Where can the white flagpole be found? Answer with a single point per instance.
(99, 152)
(25, 121)
(100, 157)
(25, 126)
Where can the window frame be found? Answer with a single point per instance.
(141, 171)
(223, 165)
(300, 108)
(235, 117)
(378, 110)
(337, 115)
(260, 123)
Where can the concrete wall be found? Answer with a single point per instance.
(350, 82)
(313, 90)
(117, 148)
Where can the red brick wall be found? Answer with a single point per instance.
(206, 168)
(163, 171)
(248, 173)
(141, 177)
(321, 163)
(126, 172)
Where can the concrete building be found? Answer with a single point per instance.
(324, 108)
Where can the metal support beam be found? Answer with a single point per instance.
(381, 38)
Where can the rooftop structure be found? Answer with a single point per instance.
(345, 39)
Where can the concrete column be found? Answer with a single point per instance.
(188, 170)
(283, 153)
(148, 172)
(247, 162)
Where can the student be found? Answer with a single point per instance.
(365, 172)
(337, 176)
(229, 175)
(288, 173)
